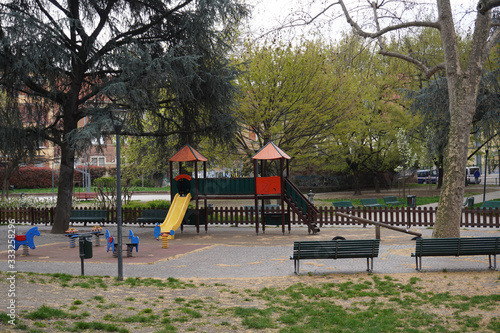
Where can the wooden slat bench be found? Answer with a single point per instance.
(393, 201)
(88, 215)
(455, 247)
(490, 204)
(371, 202)
(152, 216)
(335, 249)
(342, 204)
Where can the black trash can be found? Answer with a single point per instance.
(85, 243)
(411, 201)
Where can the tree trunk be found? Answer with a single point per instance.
(66, 173)
(65, 190)
(463, 92)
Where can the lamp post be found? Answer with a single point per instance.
(485, 170)
(118, 126)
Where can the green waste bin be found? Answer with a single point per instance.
(469, 202)
(85, 242)
(411, 201)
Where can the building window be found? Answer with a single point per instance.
(98, 160)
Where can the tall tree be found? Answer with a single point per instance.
(166, 58)
(19, 141)
(462, 79)
(291, 95)
(364, 142)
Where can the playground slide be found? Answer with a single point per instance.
(175, 214)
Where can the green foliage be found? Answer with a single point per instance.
(107, 191)
(365, 141)
(69, 58)
(19, 140)
(153, 204)
(291, 95)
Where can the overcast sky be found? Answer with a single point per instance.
(268, 14)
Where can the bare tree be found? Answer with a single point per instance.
(463, 82)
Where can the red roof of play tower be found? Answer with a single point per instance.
(270, 152)
(188, 154)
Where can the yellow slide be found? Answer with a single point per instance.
(175, 215)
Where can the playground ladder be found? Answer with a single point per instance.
(301, 206)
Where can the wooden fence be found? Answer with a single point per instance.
(397, 216)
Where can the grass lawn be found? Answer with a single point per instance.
(336, 303)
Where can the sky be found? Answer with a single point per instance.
(269, 14)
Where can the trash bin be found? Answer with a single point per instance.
(411, 201)
(85, 243)
(469, 202)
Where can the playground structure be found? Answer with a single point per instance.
(26, 240)
(258, 188)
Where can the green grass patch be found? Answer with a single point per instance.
(47, 312)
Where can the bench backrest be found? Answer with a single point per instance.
(100, 213)
(457, 246)
(361, 248)
(371, 201)
(390, 199)
(340, 204)
(491, 204)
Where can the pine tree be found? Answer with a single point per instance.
(164, 58)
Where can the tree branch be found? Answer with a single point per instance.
(379, 33)
(427, 71)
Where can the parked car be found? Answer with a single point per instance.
(469, 175)
(427, 176)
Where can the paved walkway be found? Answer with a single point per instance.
(478, 198)
(231, 252)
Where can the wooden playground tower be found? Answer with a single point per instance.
(258, 188)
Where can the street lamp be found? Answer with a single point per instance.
(118, 126)
(485, 170)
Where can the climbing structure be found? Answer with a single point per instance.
(259, 188)
(288, 192)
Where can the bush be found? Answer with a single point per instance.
(94, 170)
(147, 183)
(32, 177)
(154, 204)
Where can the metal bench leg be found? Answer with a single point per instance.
(494, 266)
(369, 264)
(417, 261)
(296, 266)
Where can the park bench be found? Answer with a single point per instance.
(455, 247)
(152, 216)
(371, 202)
(88, 215)
(490, 204)
(393, 201)
(342, 204)
(335, 249)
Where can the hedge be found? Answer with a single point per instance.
(36, 177)
(32, 177)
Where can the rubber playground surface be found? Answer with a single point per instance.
(231, 252)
